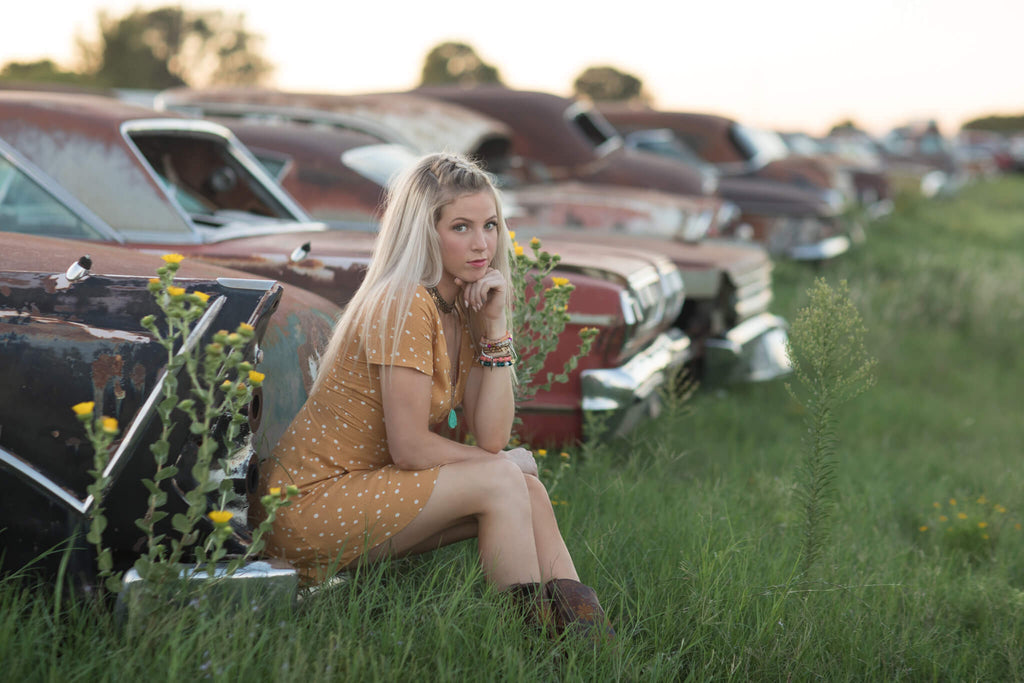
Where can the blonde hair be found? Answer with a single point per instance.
(407, 251)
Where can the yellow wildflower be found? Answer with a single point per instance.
(542, 452)
(275, 490)
(220, 517)
(985, 536)
(982, 525)
(952, 501)
(943, 518)
(154, 281)
(245, 327)
(511, 234)
(203, 296)
(173, 258)
(1000, 509)
(519, 250)
(1017, 526)
(256, 377)
(534, 242)
(982, 500)
(961, 515)
(922, 528)
(564, 455)
(559, 281)
(109, 425)
(936, 505)
(176, 291)
(84, 408)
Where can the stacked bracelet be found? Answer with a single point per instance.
(496, 353)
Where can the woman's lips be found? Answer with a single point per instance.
(478, 264)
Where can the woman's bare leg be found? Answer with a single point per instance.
(494, 493)
(552, 554)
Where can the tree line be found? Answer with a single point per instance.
(172, 46)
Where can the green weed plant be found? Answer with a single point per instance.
(832, 366)
(222, 383)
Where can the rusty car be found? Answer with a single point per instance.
(70, 332)
(793, 206)
(165, 181)
(335, 152)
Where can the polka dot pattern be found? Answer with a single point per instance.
(352, 496)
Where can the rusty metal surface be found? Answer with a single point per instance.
(65, 342)
(550, 146)
(422, 123)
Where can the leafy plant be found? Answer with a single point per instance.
(221, 384)
(826, 349)
(540, 315)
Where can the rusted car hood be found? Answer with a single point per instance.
(424, 124)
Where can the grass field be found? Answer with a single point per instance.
(690, 530)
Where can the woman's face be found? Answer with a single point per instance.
(468, 230)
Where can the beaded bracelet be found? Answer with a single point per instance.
(497, 363)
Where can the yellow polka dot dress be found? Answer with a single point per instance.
(352, 496)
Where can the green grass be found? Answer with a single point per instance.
(690, 529)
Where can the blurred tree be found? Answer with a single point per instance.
(172, 46)
(997, 124)
(42, 71)
(846, 126)
(457, 63)
(608, 83)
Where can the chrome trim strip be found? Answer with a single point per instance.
(41, 482)
(129, 443)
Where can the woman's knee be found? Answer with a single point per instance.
(503, 483)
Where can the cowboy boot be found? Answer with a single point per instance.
(574, 607)
(528, 602)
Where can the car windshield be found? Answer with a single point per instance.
(27, 207)
(761, 146)
(378, 163)
(666, 143)
(205, 179)
(801, 143)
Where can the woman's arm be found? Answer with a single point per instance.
(489, 403)
(405, 394)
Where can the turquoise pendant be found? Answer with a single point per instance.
(452, 420)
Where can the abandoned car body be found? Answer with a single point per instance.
(791, 205)
(69, 334)
(194, 189)
(726, 283)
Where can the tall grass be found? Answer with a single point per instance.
(690, 529)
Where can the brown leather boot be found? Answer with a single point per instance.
(528, 602)
(574, 607)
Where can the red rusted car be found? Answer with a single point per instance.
(792, 205)
(167, 182)
(341, 161)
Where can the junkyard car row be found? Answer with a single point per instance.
(666, 232)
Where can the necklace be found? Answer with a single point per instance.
(447, 308)
(442, 305)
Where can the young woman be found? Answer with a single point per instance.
(427, 331)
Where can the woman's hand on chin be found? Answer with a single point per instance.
(523, 458)
(485, 296)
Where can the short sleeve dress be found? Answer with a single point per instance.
(352, 496)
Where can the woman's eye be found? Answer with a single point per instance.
(491, 225)
(461, 227)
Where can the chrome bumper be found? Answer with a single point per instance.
(268, 584)
(626, 395)
(753, 351)
(820, 251)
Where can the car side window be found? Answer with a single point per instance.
(27, 207)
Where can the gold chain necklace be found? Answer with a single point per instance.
(442, 305)
(447, 309)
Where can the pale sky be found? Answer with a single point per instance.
(787, 64)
